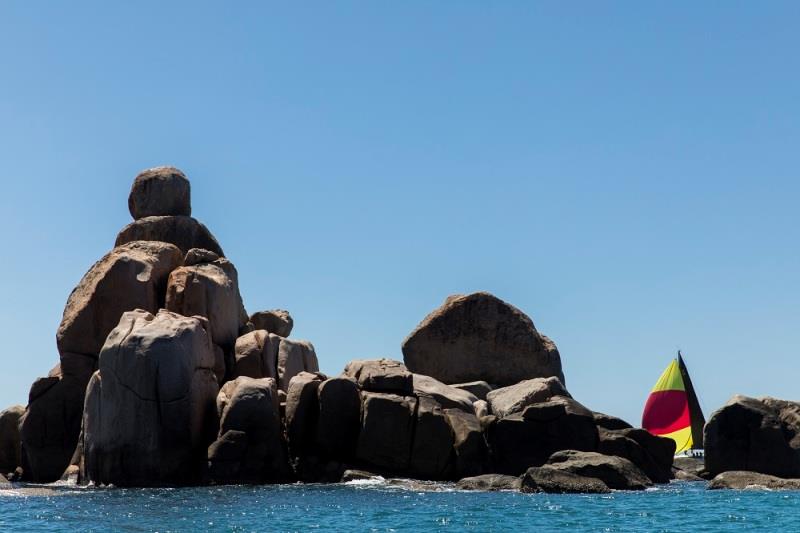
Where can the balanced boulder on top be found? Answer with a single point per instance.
(480, 337)
(160, 191)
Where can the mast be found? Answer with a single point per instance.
(696, 417)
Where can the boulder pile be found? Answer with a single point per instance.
(164, 379)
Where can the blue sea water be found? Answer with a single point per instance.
(381, 507)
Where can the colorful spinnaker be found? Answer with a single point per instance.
(672, 409)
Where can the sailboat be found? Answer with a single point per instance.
(672, 409)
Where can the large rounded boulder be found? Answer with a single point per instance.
(10, 452)
(758, 435)
(132, 276)
(160, 191)
(150, 408)
(480, 337)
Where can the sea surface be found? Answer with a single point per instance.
(380, 506)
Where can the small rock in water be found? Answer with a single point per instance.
(739, 479)
(358, 475)
(489, 482)
(547, 479)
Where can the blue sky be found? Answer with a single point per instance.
(626, 173)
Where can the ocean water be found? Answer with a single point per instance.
(383, 507)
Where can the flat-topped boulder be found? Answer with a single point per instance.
(759, 435)
(515, 398)
(277, 321)
(489, 483)
(479, 337)
(182, 231)
(616, 472)
(560, 481)
(160, 191)
(380, 375)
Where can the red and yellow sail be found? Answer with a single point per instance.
(666, 412)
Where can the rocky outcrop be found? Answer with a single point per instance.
(387, 431)
(381, 375)
(616, 472)
(522, 440)
(515, 398)
(277, 321)
(182, 231)
(4, 483)
(480, 337)
(249, 446)
(10, 450)
(688, 468)
(490, 482)
(149, 412)
(759, 435)
(478, 388)
(294, 357)
(131, 276)
(210, 290)
(740, 480)
(446, 396)
(256, 355)
(652, 454)
(557, 480)
(609, 422)
(302, 412)
(160, 191)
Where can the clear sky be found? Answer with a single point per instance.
(625, 172)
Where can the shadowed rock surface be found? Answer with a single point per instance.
(480, 338)
(652, 454)
(10, 448)
(479, 388)
(527, 439)
(759, 435)
(256, 355)
(160, 191)
(380, 375)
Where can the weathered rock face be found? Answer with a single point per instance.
(10, 450)
(149, 412)
(447, 396)
(380, 375)
(471, 453)
(302, 412)
(250, 446)
(294, 357)
(277, 321)
(256, 355)
(387, 431)
(652, 454)
(432, 448)
(740, 480)
(160, 191)
(616, 472)
(526, 439)
(555, 480)
(132, 276)
(480, 337)
(515, 398)
(210, 290)
(479, 388)
(759, 435)
(489, 482)
(182, 231)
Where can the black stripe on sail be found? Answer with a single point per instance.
(696, 417)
